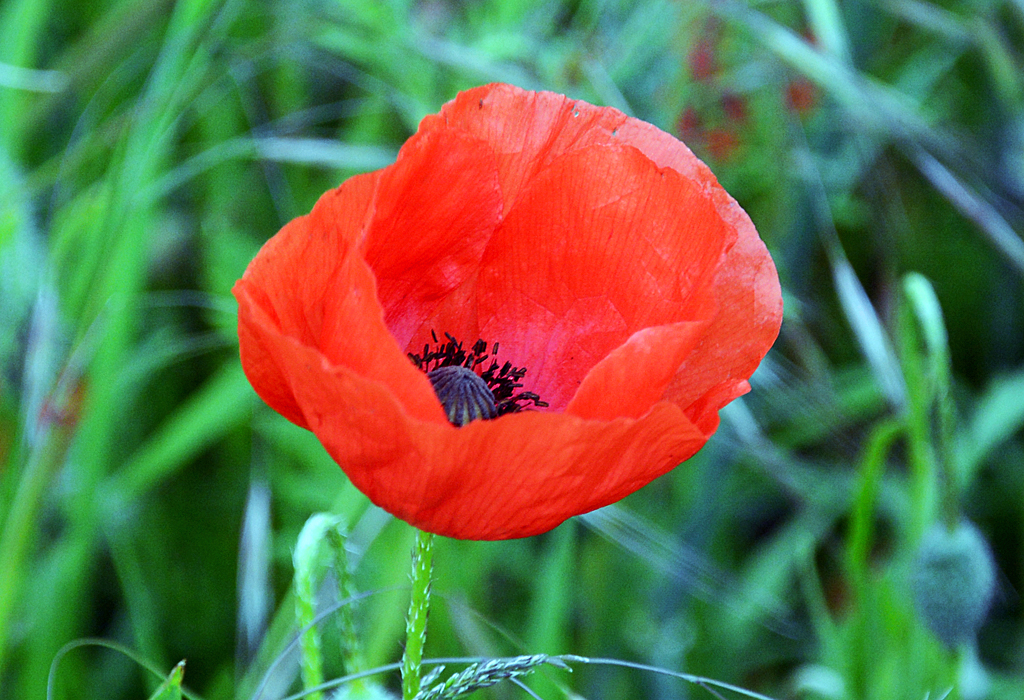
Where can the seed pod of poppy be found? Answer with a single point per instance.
(954, 580)
(463, 394)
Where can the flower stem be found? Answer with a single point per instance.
(351, 656)
(419, 607)
(305, 559)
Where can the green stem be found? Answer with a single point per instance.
(18, 531)
(416, 621)
(305, 612)
(351, 656)
(308, 561)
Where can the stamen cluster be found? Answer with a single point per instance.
(502, 381)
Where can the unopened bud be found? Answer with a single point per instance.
(954, 580)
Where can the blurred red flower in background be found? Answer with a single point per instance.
(801, 95)
(722, 143)
(597, 250)
(703, 59)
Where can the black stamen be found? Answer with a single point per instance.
(500, 383)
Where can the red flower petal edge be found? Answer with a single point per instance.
(597, 250)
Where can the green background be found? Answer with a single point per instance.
(149, 147)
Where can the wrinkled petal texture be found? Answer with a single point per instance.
(597, 250)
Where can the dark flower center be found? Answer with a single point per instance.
(464, 395)
(468, 392)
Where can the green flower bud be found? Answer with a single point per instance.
(954, 580)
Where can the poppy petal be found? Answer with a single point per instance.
(600, 245)
(635, 375)
(310, 284)
(516, 476)
(746, 285)
(526, 130)
(262, 369)
(435, 211)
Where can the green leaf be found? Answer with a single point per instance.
(998, 416)
(170, 689)
(221, 404)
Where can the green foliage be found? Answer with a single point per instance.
(170, 689)
(149, 147)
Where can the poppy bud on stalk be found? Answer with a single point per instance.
(953, 581)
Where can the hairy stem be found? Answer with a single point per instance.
(416, 621)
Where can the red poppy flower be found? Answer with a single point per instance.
(596, 250)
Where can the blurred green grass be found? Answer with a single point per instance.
(147, 149)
